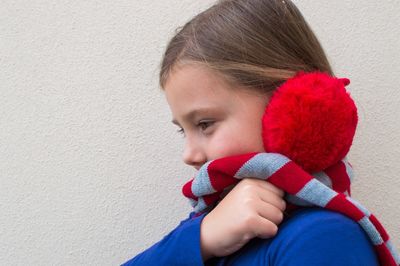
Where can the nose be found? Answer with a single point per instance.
(194, 154)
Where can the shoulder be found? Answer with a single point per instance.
(317, 219)
(316, 236)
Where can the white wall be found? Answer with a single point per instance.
(90, 165)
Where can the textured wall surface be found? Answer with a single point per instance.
(90, 165)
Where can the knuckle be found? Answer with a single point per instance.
(247, 237)
(250, 181)
(279, 191)
(249, 220)
(249, 202)
(249, 188)
(245, 181)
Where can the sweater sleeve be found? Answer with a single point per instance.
(323, 239)
(181, 246)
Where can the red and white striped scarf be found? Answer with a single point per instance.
(328, 189)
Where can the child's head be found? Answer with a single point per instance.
(231, 57)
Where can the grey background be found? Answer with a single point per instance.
(90, 165)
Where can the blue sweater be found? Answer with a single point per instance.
(310, 236)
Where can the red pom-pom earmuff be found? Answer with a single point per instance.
(311, 119)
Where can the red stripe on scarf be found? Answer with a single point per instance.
(379, 227)
(340, 204)
(222, 171)
(210, 199)
(340, 179)
(384, 255)
(187, 190)
(290, 177)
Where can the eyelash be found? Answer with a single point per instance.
(208, 123)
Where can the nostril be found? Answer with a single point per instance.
(193, 154)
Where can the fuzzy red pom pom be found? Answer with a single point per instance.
(311, 119)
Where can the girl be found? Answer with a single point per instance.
(218, 74)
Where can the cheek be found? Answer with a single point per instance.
(236, 142)
(249, 142)
(253, 136)
(224, 148)
(224, 143)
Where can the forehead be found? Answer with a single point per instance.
(190, 72)
(195, 83)
(192, 87)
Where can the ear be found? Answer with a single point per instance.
(311, 119)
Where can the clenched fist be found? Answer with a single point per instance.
(253, 208)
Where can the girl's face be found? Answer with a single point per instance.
(216, 119)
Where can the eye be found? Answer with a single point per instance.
(204, 124)
(181, 131)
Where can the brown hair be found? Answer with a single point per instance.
(257, 44)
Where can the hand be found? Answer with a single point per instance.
(253, 208)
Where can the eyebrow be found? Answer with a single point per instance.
(190, 115)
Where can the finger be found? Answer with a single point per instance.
(269, 212)
(267, 185)
(270, 197)
(265, 228)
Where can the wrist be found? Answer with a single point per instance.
(205, 246)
